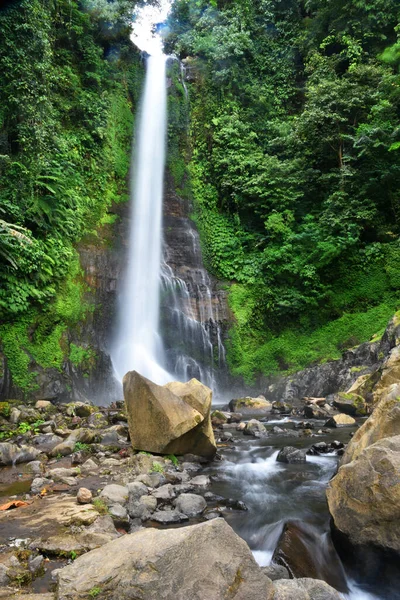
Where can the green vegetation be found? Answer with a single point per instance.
(94, 592)
(100, 506)
(24, 427)
(294, 169)
(81, 447)
(70, 79)
(173, 459)
(156, 467)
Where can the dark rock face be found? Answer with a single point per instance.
(338, 375)
(305, 554)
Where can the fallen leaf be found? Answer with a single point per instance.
(14, 504)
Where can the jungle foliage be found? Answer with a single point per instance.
(295, 171)
(70, 79)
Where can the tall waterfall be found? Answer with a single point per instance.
(137, 344)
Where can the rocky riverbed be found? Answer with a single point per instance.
(72, 484)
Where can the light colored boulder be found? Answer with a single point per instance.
(42, 404)
(304, 589)
(84, 496)
(340, 420)
(170, 419)
(149, 564)
(364, 496)
(384, 422)
(12, 454)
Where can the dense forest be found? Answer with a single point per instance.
(294, 169)
(291, 161)
(70, 81)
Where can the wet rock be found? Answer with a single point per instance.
(300, 551)
(250, 406)
(340, 420)
(84, 496)
(190, 505)
(292, 455)
(201, 481)
(35, 467)
(63, 449)
(170, 419)
(314, 411)
(13, 454)
(35, 565)
(364, 496)
(235, 504)
(114, 494)
(217, 564)
(79, 409)
(304, 589)
(304, 425)
(254, 428)
(275, 572)
(218, 418)
(138, 510)
(282, 407)
(167, 517)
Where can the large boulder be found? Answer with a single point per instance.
(350, 404)
(384, 422)
(340, 420)
(250, 406)
(169, 419)
(202, 561)
(390, 376)
(364, 496)
(10, 454)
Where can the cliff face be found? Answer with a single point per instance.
(194, 312)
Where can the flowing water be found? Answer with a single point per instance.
(190, 311)
(276, 493)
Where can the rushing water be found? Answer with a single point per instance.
(276, 493)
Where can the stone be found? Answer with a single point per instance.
(202, 561)
(170, 419)
(201, 481)
(84, 496)
(114, 494)
(39, 483)
(304, 589)
(42, 404)
(275, 572)
(364, 496)
(340, 420)
(136, 490)
(118, 512)
(254, 428)
(350, 404)
(12, 454)
(4, 579)
(66, 447)
(250, 406)
(301, 552)
(190, 505)
(292, 455)
(35, 467)
(80, 409)
(218, 418)
(35, 565)
(313, 411)
(149, 502)
(167, 517)
(89, 466)
(164, 493)
(15, 416)
(282, 407)
(384, 422)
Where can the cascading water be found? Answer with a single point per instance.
(189, 310)
(137, 344)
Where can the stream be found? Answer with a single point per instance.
(276, 493)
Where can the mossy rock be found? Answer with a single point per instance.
(5, 409)
(350, 404)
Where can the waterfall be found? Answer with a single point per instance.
(137, 344)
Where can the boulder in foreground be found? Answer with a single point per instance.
(202, 561)
(169, 419)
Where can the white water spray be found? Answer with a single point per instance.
(137, 345)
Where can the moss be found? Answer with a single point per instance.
(4, 409)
